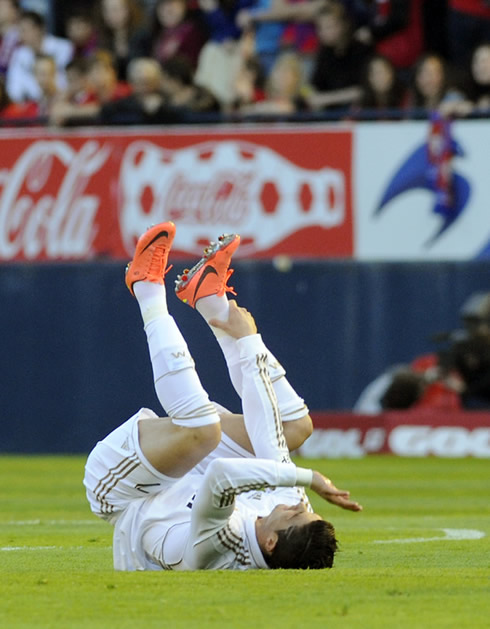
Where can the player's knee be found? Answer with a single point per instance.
(298, 431)
(206, 438)
(306, 427)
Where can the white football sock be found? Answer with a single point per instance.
(152, 300)
(214, 307)
(177, 384)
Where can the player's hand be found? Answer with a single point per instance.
(240, 322)
(326, 489)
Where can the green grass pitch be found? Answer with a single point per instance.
(402, 563)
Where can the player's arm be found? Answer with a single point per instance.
(225, 479)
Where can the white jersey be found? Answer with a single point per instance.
(206, 522)
(206, 519)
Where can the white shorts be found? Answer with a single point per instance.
(117, 472)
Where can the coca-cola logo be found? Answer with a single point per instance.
(241, 187)
(45, 210)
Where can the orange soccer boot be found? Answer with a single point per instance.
(211, 274)
(150, 258)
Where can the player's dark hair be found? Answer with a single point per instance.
(311, 546)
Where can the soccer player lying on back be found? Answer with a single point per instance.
(203, 489)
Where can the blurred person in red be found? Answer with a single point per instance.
(21, 83)
(338, 66)
(396, 29)
(9, 32)
(103, 87)
(421, 384)
(38, 111)
(147, 104)
(103, 79)
(172, 32)
(120, 26)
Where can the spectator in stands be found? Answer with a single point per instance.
(120, 27)
(147, 103)
(77, 90)
(38, 111)
(404, 387)
(382, 90)
(468, 25)
(45, 74)
(475, 314)
(21, 83)
(104, 87)
(300, 33)
(5, 101)
(337, 72)
(479, 87)
(280, 25)
(173, 33)
(103, 78)
(471, 358)
(80, 30)
(432, 89)
(284, 89)
(220, 58)
(395, 28)
(9, 32)
(181, 91)
(248, 85)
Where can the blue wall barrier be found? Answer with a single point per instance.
(74, 361)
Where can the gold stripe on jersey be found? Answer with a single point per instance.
(264, 375)
(303, 497)
(110, 480)
(230, 540)
(106, 506)
(228, 494)
(114, 470)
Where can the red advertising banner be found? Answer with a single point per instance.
(403, 433)
(90, 193)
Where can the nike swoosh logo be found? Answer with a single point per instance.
(141, 487)
(159, 235)
(205, 273)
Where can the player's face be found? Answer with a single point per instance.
(284, 516)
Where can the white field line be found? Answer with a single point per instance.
(449, 534)
(50, 522)
(37, 548)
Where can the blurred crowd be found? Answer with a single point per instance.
(454, 377)
(170, 61)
